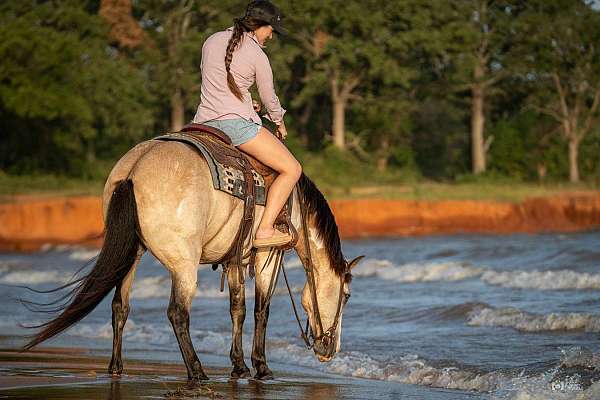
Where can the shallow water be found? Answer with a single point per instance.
(496, 316)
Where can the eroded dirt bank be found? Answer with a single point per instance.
(28, 224)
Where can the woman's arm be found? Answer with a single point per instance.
(266, 90)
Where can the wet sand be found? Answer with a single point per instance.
(61, 373)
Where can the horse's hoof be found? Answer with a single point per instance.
(197, 378)
(243, 372)
(115, 370)
(264, 375)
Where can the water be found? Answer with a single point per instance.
(503, 317)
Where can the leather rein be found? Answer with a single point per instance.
(325, 336)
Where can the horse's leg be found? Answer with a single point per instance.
(263, 281)
(237, 309)
(182, 294)
(120, 311)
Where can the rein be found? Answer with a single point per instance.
(324, 336)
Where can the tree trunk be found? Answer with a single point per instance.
(177, 110)
(341, 94)
(573, 156)
(90, 151)
(477, 128)
(384, 149)
(339, 120)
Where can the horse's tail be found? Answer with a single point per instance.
(119, 251)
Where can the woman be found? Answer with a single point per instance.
(232, 60)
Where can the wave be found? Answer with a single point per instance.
(409, 369)
(160, 287)
(529, 322)
(562, 379)
(83, 254)
(418, 272)
(28, 277)
(576, 377)
(544, 280)
(455, 271)
(6, 265)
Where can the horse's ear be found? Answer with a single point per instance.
(354, 262)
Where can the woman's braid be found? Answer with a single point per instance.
(236, 37)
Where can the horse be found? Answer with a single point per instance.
(159, 197)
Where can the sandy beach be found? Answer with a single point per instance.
(67, 373)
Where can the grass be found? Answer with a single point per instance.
(432, 191)
(340, 176)
(46, 185)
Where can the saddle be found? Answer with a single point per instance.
(240, 175)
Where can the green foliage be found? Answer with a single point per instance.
(65, 95)
(72, 102)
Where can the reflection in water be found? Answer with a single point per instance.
(115, 389)
(320, 391)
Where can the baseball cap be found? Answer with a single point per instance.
(265, 11)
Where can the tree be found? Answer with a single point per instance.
(566, 65)
(480, 36)
(337, 37)
(63, 90)
(124, 28)
(174, 49)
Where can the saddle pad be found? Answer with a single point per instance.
(225, 178)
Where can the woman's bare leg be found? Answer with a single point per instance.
(268, 149)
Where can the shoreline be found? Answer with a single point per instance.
(67, 373)
(29, 223)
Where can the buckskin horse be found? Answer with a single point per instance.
(160, 197)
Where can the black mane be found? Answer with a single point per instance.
(317, 206)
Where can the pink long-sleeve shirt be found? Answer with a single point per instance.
(249, 64)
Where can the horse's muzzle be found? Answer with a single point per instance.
(324, 348)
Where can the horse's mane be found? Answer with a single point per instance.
(325, 222)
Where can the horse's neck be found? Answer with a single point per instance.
(317, 248)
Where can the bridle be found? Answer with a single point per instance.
(326, 337)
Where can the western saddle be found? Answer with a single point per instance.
(221, 148)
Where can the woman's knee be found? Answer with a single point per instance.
(295, 169)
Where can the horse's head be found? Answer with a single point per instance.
(331, 293)
(328, 274)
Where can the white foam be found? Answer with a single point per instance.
(34, 277)
(160, 287)
(153, 287)
(455, 271)
(132, 332)
(528, 322)
(293, 263)
(418, 272)
(410, 369)
(83, 254)
(537, 388)
(545, 280)
(6, 265)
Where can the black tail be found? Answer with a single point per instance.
(116, 258)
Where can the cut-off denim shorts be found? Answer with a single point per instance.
(239, 130)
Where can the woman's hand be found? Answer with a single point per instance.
(281, 129)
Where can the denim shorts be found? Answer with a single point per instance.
(239, 130)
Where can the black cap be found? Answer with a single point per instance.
(266, 11)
